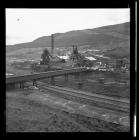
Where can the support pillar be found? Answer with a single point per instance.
(21, 84)
(34, 83)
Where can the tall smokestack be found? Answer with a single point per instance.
(52, 44)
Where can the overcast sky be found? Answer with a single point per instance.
(25, 25)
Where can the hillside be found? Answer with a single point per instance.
(121, 51)
(123, 29)
(107, 37)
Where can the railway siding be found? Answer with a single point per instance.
(83, 109)
(102, 101)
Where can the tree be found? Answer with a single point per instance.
(45, 58)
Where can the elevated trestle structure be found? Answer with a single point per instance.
(11, 81)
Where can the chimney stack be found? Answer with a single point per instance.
(52, 44)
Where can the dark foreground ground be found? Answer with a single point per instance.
(24, 114)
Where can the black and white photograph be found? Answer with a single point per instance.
(67, 69)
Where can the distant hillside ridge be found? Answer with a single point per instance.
(106, 37)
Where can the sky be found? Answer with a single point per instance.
(25, 25)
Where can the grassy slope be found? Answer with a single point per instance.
(107, 37)
(122, 50)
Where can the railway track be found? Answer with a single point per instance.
(114, 104)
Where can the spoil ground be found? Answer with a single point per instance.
(31, 111)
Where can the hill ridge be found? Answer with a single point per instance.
(106, 37)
